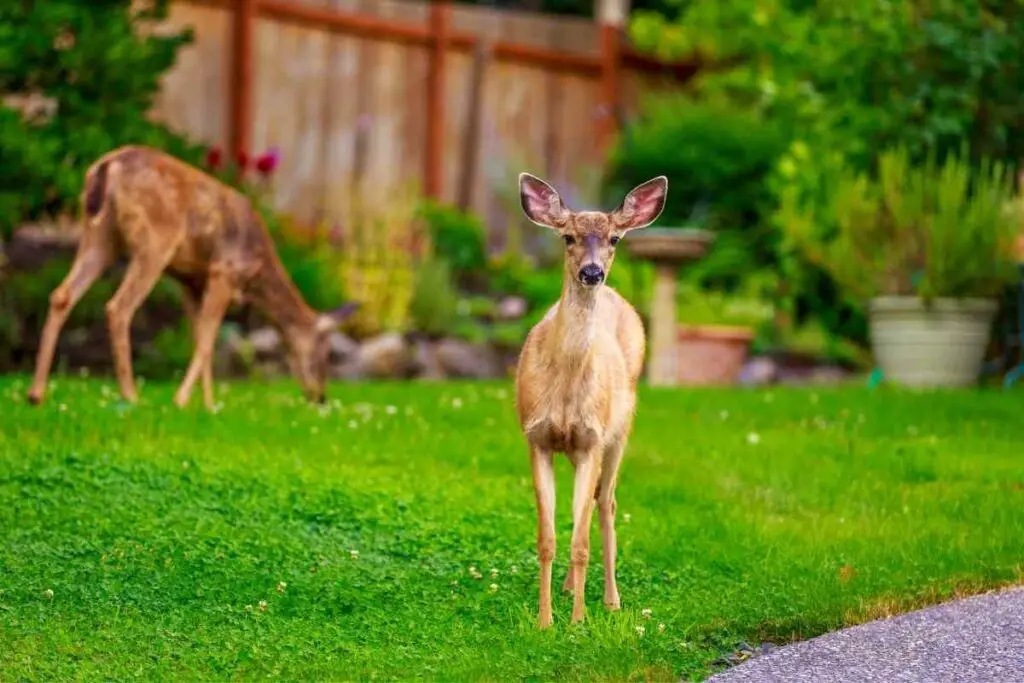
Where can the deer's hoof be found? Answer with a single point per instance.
(544, 621)
(35, 397)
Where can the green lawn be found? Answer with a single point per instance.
(276, 539)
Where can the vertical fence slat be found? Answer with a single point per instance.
(440, 21)
(242, 71)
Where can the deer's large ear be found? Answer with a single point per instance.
(541, 202)
(642, 205)
(331, 320)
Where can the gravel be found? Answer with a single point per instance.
(977, 639)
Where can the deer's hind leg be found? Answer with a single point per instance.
(95, 254)
(146, 266)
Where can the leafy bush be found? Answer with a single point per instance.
(932, 230)
(458, 238)
(92, 70)
(434, 305)
(715, 156)
(380, 244)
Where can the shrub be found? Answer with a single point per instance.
(932, 230)
(458, 238)
(93, 70)
(434, 305)
(380, 243)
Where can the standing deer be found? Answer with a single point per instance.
(165, 215)
(577, 376)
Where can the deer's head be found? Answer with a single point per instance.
(309, 349)
(590, 236)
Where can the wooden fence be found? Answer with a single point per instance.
(456, 98)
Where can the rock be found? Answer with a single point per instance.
(829, 374)
(511, 308)
(343, 348)
(384, 356)
(759, 371)
(461, 359)
(425, 362)
(266, 342)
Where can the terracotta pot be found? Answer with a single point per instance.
(712, 354)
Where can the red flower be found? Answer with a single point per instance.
(267, 162)
(213, 158)
(243, 161)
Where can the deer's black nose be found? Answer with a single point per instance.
(591, 274)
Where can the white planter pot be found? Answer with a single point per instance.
(940, 345)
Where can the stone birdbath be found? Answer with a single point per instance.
(667, 249)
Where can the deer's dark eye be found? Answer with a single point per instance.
(614, 240)
(569, 239)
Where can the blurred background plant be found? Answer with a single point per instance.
(825, 87)
(78, 79)
(927, 230)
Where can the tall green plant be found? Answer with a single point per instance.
(94, 68)
(929, 230)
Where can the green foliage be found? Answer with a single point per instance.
(275, 539)
(97, 69)
(841, 81)
(434, 305)
(715, 157)
(931, 230)
(457, 237)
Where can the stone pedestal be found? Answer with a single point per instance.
(667, 249)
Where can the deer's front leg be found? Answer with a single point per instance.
(216, 298)
(190, 302)
(544, 486)
(588, 469)
(606, 506)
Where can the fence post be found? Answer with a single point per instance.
(440, 19)
(611, 15)
(241, 83)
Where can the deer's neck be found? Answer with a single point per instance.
(576, 321)
(274, 292)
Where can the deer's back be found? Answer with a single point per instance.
(160, 199)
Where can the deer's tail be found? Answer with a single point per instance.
(94, 194)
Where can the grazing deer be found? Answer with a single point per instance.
(164, 215)
(577, 376)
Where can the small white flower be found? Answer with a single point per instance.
(724, 414)
(626, 517)
(661, 628)
(753, 438)
(494, 588)
(352, 424)
(494, 573)
(63, 408)
(281, 585)
(456, 403)
(513, 569)
(640, 631)
(48, 594)
(354, 554)
(646, 613)
(263, 605)
(391, 410)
